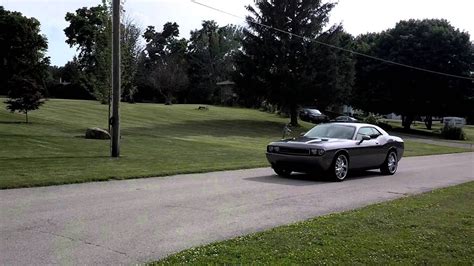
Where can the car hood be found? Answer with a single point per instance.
(306, 140)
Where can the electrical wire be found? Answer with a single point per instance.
(334, 46)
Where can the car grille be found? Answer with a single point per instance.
(293, 151)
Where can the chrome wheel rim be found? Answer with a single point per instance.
(341, 167)
(392, 162)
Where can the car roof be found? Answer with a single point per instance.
(359, 125)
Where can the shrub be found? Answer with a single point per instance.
(372, 119)
(453, 133)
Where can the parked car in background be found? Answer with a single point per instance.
(313, 116)
(345, 118)
(336, 149)
(454, 121)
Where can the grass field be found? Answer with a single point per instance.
(430, 229)
(157, 140)
(420, 128)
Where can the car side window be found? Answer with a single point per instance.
(375, 133)
(364, 131)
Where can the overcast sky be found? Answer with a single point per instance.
(357, 16)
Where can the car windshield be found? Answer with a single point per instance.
(332, 131)
(314, 111)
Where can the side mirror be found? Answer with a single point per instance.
(365, 138)
(302, 134)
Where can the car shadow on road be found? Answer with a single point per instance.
(300, 179)
(296, 179)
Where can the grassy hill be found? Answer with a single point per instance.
(157, 140)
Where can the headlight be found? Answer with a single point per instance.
(273, 148)
(317, 152)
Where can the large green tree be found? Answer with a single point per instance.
(165, 65)
(90, 30)
(23, 64)
(211, 59)
(22, 50)
(431, 44)
(282, 63)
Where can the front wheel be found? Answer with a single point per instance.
(390, 165)
(282, 171)
(340, 167)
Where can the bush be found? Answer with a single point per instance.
(453, 133)
(372, 119)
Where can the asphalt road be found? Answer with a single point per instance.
(134, 221)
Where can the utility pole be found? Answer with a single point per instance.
(116, 78)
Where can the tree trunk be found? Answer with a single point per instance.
(168, 99)
(407, 120)
(429, 122)
(293, 115)
(26, 113)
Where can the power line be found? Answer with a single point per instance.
(334, 46)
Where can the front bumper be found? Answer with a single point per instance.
(300, 163)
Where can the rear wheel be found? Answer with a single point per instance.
(340, 167)
(282, 171)
(390, 165)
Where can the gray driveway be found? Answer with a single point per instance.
(137, 221)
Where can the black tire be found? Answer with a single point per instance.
(282, 171)
(389, 167)
(339, 169)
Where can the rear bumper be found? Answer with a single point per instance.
(300, 163)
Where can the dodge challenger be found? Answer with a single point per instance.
(336, 149)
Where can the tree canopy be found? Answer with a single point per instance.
(90, 30)
(211, 59)
(165, 61)
(22, 49)
(23, 64)
(24, 96)
(430, 44)
(285, 66)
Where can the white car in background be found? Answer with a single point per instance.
(454, 121)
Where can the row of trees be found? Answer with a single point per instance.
(166, 68)
(430, 44)
(279, 58)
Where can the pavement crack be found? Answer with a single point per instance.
(79, 240)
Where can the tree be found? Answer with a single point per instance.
(211, 59)
(430, 44)
(165, 61)
(22, 50)
(24, 96)
(90, 30)
(68, 82)
(131, 49)
(287, 70)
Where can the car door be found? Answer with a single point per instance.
(369, 151)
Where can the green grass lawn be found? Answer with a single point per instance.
(420, 128)
(157, 140)
(430, 229)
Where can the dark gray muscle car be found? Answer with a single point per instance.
(337, 148)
